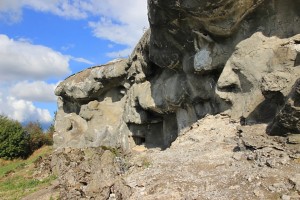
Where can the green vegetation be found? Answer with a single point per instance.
(116, 152)
(19, 142)
(37, 138)
(145, 162)
(16, 176)
(14, 141)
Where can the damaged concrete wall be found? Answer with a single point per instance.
(239, 58)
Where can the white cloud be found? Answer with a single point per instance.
(23, 66)
(120, 54)
(120, 21)
(23, 60)
(82, 60)
(38, 91)
(10, 10)
(65, 8)
(23, 111)
(121, 34)
(110, 46)
(67, 47)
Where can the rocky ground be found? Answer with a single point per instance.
(219, 159)
(215, 158)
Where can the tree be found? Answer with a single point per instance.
(36, 135)
(14, 141)
(49, 135)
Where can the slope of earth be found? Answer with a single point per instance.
(22, 177)
(215, 158)
(218, 159)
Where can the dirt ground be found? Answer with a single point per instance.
(216, 158)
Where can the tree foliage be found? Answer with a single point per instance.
(37, 138)
(14, 141)
(49, 134)
(17, 141)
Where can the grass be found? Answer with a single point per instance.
(145, 162)
(16, 176)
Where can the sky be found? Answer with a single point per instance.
(44, 41)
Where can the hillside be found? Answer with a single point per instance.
(19, 178)
(215, 158)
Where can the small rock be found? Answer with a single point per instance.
(278, 187)
(139, 148)
(258, 184)
(257, 192)
(112, 197)
(263, 175)
(284, 159)
(285, 197)
(294, 139)
(250, 156)
(272, 188)
(131, 183)
(234, 187)
(237, 156)
(295, 180)
(271, 163)
(250, 178)
(295, 155)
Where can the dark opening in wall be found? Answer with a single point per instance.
(297, 60)
(159, 133)
(139, 140)
(70, 106)
(151, 134)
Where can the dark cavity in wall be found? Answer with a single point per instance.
(156, 134)
(297, 60)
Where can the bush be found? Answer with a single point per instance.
(37, 137)
(14, 141)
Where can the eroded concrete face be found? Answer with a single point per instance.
(258, 77)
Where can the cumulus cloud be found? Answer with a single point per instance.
(11, 10)
(38, 91)
(23, 60)
(22, 110)
(23, 66)
(120, 21)
(120, 34)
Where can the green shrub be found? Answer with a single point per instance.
(37, 137)
(14, 141)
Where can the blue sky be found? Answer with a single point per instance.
(44, 41)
